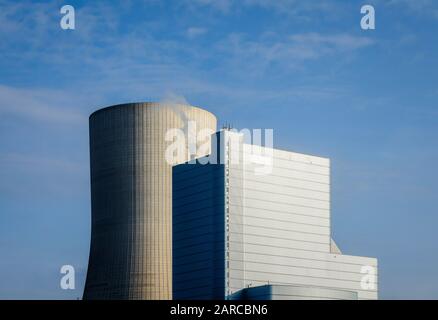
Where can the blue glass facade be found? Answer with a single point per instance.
(198, 231)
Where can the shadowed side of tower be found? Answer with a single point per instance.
(131, 198)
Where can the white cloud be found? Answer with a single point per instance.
(40, 105)
(331, 42)
(287, 7)
(291, 7)
(30, 163)
(422, 7)
(220, 5)
(106, 65)
(173, 98)
(194, 32)
(289, 51)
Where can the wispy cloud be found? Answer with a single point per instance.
(28, 174)
(135, 63)
(256, 56)
(25, 163)
(173, 98)
(194, 32)
(331, 42)
(285, 7)
(223, 6)
(423, 7)
(39, 105)
(292, 7)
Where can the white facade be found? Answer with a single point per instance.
(278, 223)
(254, 222)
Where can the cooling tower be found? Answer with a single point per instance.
(131, 198)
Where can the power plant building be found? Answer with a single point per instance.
(212, 218)
(251, 222)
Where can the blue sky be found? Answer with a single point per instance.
(366, 99)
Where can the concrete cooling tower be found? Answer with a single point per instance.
(131, 198)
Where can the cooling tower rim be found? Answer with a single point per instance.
(148, 104)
